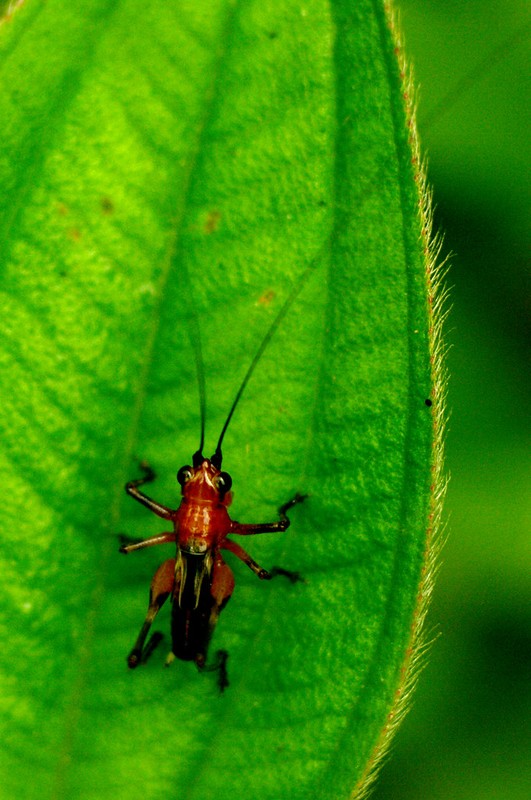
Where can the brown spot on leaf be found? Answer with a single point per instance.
(266, 298)
(212, 221)
(107, 205)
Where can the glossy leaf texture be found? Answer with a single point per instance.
(170, 170)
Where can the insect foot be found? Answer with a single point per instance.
(139, 655)
(149, 476)
(293, 577)
(219, 666)
(283, 510)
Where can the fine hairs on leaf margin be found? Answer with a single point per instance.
(419, 641)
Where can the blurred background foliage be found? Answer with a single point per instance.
(468, 734)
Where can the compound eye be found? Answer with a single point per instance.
(223, 483)
(184, 475)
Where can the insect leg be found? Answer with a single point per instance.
(132, 490)
(219, 666)
(240, 553)
(161, 588)
(269, 527)
(293, 577)
(260, 572)
(162, 538)
(282, 511)
(221, 591)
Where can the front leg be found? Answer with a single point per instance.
(132, 489)
(269, 527)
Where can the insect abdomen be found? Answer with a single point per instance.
(192, 604)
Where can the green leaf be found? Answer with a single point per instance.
(164, 165)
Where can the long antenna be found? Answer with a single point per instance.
(194, 332)
(218, 457)
(197, 457)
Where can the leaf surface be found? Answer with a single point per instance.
(168, 171)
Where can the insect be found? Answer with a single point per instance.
(197, 579)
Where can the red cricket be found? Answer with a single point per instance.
(197, 579)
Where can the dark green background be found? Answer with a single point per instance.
(467, 736)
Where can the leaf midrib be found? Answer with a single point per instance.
(171, 262)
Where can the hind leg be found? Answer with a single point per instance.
(161, 588)
(221, 591)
